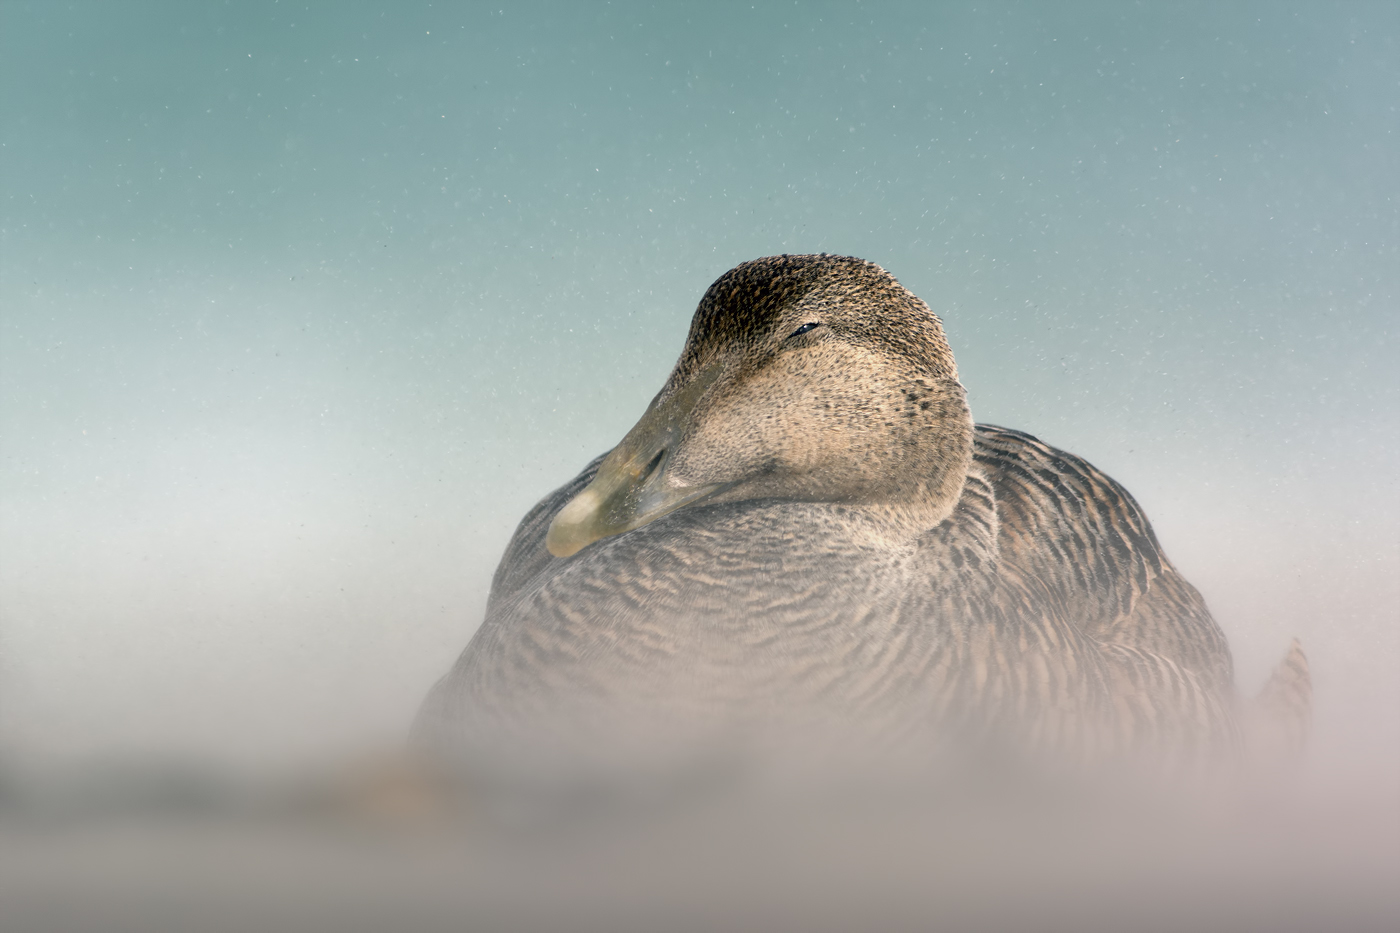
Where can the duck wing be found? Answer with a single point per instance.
(1067, 524)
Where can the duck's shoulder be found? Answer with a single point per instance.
(1062, 508)
(1068, 523)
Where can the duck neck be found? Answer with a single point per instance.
(928, 466)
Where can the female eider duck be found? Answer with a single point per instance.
(806, 526)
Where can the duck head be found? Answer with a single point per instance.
(808, 378)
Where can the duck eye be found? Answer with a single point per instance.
(810, 325)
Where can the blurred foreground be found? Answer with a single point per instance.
(379, 847)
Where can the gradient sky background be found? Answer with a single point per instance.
(303, 306)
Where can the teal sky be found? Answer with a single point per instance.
(303, 305)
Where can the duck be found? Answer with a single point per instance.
(806, 526)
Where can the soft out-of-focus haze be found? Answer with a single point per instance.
(303, 306)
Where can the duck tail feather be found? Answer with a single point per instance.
(1279, 718)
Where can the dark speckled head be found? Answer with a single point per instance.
(752, 305)
(816, 378)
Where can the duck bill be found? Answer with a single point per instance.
(630, 488)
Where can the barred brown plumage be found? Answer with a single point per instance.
(806, 526)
